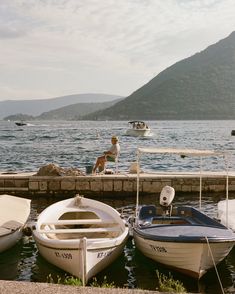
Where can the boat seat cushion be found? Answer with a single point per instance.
(110, 158)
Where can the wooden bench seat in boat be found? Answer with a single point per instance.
(79, 222)
(79, 230)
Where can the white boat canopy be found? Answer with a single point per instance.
(182, 152)
(189, 152)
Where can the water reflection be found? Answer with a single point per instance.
(9, 263)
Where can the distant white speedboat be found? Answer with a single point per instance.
(80, 235)
(14, 212)
(138, 129)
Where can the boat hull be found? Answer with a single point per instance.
(81, 262)
(138, 132)
(14, 213)
(9, 240)
(193, 259)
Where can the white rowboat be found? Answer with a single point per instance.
(14, 212)
(81, 236)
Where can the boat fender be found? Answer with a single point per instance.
(27, 231)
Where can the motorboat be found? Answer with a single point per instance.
(20, 123)
(182, 238)
(138, 129)
(80, 235)
(14, 213)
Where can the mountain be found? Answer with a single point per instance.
(199, 87)
(70, 112)
(74, 111)
(36, 107)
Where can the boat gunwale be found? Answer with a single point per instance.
(183, 238)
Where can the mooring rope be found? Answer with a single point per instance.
(212, 257)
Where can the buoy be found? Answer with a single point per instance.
(27, 229)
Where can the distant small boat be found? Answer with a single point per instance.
(20, 123)
(138, 129)
(233, 133)
(14, 212)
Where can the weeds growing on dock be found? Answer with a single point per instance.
(168, 284)
(72, 281)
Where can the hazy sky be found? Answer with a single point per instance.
(51, 48)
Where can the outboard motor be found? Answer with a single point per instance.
(166, 197)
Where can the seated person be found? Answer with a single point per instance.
(109, 155)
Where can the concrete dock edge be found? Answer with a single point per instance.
(16, 287)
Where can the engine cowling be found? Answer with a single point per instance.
(166, 196)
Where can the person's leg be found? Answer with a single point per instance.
(100, 162)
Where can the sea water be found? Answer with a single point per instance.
(77, 144)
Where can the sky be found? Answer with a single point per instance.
(52, 48)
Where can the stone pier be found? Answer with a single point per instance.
(123, 184)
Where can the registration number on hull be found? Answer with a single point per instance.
(64, 255)
(160, 249)
(103, 254)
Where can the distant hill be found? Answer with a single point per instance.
(70, 112)
(36, 107)
(74, 111)
(199, 87)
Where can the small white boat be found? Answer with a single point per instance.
(14, 213)
(81, 236)
(182, 238)
(226, 213)
(138, 129)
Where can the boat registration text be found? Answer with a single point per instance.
(63, 255)
(158, 248)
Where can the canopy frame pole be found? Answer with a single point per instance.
(227, 178)
(137, 184)
(200, 185)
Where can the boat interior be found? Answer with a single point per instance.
(185, 215)
(166, 214)
(80, 224)
(9, 227)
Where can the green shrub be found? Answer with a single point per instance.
(168, 284)
(104, 284)
(69, 280)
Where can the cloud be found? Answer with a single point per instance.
(83, 43)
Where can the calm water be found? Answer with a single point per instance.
(75, 144)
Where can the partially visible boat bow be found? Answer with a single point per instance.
(14, 213)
